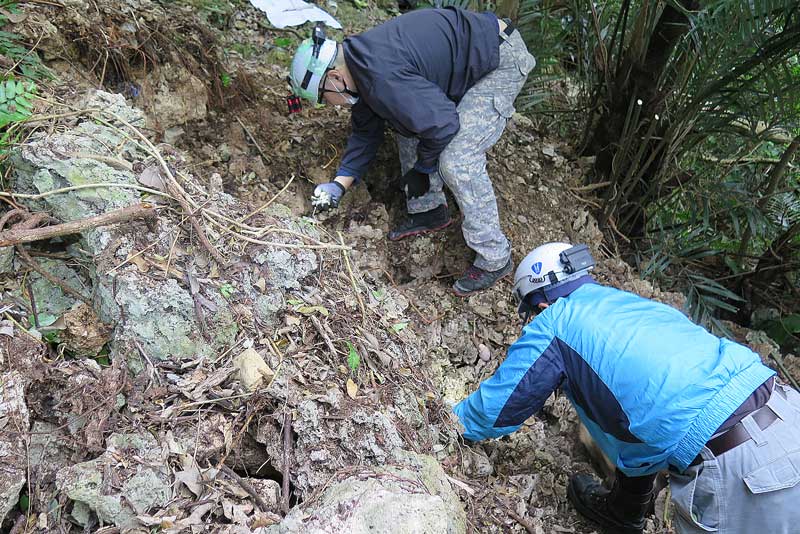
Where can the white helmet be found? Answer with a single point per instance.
(312, 60)
(546, 267)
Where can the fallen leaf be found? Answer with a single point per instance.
(372, 340)
(252, 369)
(261, 284)
(13, 18)
(191, 479)
(139, 261)
(151, 177)
(311, 310)
(352, 388)
(399, 327)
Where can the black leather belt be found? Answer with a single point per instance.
(508, 30)
(737, 434)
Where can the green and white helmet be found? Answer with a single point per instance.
(313, 58)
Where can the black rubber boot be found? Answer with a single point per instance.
(422, 223)
(620, 510)
(476, 279)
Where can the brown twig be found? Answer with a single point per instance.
(253, 139)
(356, 290)
(325, 337)
(516, 517)
(590, 187)
(11, 214)
(175, 191)
(34, 311)
(246, 486)
(30, 262)
(287, 459)
(16, 236)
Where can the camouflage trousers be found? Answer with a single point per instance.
(483, 114)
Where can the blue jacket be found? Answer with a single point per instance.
(650, 386)
(412, 72)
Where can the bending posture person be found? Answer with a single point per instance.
(656, 392)
(445, 80)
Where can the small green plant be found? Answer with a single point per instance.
(353, 359)
(227, 290)
(225, 79)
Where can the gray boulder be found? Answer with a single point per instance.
(409, 500)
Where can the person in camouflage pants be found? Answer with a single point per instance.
(445, 81)
(483, 113)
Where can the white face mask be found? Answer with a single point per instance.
(348, 98)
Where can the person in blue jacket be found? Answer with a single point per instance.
(445, 81)
(656, 392)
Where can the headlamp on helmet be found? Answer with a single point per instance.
(546, 270)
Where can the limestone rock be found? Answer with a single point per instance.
(408, 500)
(13, 426)
(173, 96)
(160, 314)
(285, 269)
(127, 480)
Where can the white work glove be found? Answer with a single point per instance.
(327, 196)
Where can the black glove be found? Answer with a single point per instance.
(417, 183)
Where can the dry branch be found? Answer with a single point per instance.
(23, 235)
(246, 486)
(30, 262)
(176, 192)
(287, 459)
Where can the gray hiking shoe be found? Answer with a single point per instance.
(476, 279)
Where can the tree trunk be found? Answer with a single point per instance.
(637, 77)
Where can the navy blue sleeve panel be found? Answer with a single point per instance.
(418, 108)
(531, 372)
(363, 143)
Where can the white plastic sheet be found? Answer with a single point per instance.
(282, 13)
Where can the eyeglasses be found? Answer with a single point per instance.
(323, 90)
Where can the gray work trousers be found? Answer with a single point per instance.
(751, 489)
(483, 114)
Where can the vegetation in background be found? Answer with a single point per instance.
(22, 69)
(694, 122)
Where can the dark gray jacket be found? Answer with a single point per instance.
(412, 72)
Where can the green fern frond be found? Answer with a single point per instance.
(15, 101)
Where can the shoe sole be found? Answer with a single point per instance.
(468, 293)
(420, 232)
(589, 515)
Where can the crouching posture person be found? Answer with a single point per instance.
(445, 80)
(656, 392)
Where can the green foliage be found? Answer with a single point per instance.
(784, 330)
(227, 290)
(18, 84)
(695, 170)
(225, 79)
(15, 101)
(353, 359)
(215, 12)
(24, 502)
(28, 63)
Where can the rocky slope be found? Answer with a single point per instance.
(230, 361)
